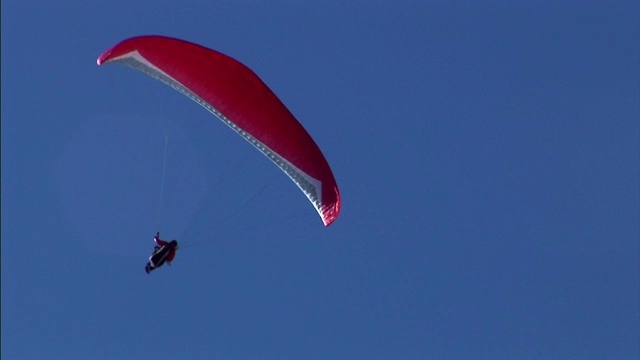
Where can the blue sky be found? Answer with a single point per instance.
(487, 155)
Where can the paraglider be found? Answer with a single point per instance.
(237, 96)
(164, 251)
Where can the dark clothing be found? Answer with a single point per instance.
(164, 252)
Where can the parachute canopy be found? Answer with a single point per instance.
(237, 96)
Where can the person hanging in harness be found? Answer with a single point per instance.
(164, 252)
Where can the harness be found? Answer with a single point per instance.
(159, 256)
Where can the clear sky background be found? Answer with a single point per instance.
(487, 155)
